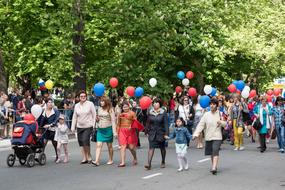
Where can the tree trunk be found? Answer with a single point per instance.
(199, 75)
(3, 75)
(78, 41)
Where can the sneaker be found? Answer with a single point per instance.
(57, 161)
(236, 148)
(241, 148)
(267, 141)
(281, 150)
(186, 167)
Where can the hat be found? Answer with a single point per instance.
(61, 116)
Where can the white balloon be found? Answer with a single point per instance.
(185, 82)
(245, 94)
(247, 88)
(152, 82)
(208, 89)
(36, 110)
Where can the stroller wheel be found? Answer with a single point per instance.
(22, 161)
(30, 160)
(42, 158)
(11, 160)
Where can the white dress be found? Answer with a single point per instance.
(61, 134)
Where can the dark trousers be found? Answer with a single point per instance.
(262, 138)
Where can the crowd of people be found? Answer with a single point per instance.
(107, 119)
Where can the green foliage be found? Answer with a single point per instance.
(136, 40)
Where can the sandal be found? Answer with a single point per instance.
(147, 167)
(162, 165)
(110, 163)
(84, 162)
(94, 163)
(121, 165)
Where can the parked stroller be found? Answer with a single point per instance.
(28, 146)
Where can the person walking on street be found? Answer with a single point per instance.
(212, 124)
(84, 118)
(106, 129)
(157, 131)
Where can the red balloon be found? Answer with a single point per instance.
(270, 92)
(192, 92)
(130, 91)
(276, 92)
(145, 102)
(252, 93)
(114, 82)
(42, 88)
(189, 75)
(269, 98)
(232, 88)
(178, 89)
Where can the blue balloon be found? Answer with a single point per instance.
(42, 83)
(99, 89)
(181, 75)
(139, 92)
(204, 101)
(240, 85)
(214, 91)
(235, 82)
(284, 94)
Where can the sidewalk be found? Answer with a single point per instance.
(5, 143)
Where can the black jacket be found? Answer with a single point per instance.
(157, 126)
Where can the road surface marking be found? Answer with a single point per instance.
(151, 176)
(204, 160)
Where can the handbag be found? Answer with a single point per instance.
(94, 135)
(137, 125)
(257, 124)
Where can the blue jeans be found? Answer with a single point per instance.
(280, 132)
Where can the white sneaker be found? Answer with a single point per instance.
(180, 170)
(236, 148)
(186, 167)
(267, 141)
(241, 148)
(281, 150)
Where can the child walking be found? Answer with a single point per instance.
(61, 136)
(182, 136)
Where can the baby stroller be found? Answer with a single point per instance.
(28, 147)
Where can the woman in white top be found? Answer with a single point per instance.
(106, 129)
(84, 118)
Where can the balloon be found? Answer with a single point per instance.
(152, 82)
(276, 92)
(270, 92)
(214, 92)
(99, 89)
(145, 102)
(192, 92)
(189, 75)
(49, 84)
(130, 91)
(232, 88)
(181, 75)
(269, 98)
(252, 93)
(247, 88)
(36, 110)
(284, 94)
(235, 82)
(41, 82)
(185, 82)
(207, 89)
(113, 82)
(240, 85)
(238, 92)
(204, 101)
(42, 88)
(245, 93)
(178, 89)
(139, 92)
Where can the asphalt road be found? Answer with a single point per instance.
(248, 169)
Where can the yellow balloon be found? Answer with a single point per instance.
(49, 84)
